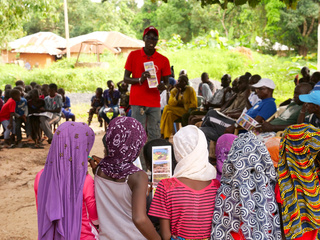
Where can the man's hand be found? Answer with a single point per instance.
(144, 76)
(230, 129)
(24, 118)
(9, 126)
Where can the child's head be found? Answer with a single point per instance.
(124, 87)
(33, 84)
(53, 88)
(110, 84)
(99, 92)
(19, 88)
(20, 83)
(7, 87)
(313, 100)
(204, 77)
(7, 94)
(61, 91)
(15, 94)
(147, 152)
(34, 94)
(45, 89)
(27, 89)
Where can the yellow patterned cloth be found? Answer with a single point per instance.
(299, 180)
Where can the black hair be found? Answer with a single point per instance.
(53, 86)
(7, 94)
(99, 89)
(109, 81)
(203, 75)
(0, 92)
(33, 84)
(315, 77)
(147, 151)
(19, 82)
(15, 92)
(172, 71)
(7, 86)
(27, 88)
(34, 92)
(184, 77)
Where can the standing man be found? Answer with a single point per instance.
(145, 101)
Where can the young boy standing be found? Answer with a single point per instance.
(7, 115)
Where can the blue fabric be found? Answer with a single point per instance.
(172, 81)
(67, 104)
(21, 106)
(96, 103)
(265, 109)
(116, 95)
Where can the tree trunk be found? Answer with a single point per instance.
(303, 50)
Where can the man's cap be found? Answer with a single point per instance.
(317, 87)
(265, 82)
(152, 29)
(312, 97)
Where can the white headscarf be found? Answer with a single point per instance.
(191, 153)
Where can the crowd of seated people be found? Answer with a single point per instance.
(259, 189)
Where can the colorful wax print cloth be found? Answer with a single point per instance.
(298, 171)
(246, 201)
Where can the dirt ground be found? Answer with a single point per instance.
(18, 168)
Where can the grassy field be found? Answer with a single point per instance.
(215, 62)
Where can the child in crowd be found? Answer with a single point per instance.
(53, 104)
(7, 116)
(124, 97)
(120, 186)
(185, 203)
(111, 98)
(35, 104)
(64, 190)
(44, 91)
(6, 95)
(33, 85)
(66, 111)
(97, 102)
(20, 116)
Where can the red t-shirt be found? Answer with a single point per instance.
(142, 95)
(8, 107)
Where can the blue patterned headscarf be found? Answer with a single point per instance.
(246, 198)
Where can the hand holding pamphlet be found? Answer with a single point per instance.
(152, 81)
(248, 123)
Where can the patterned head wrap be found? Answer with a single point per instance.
(191, 153)
(124, 139)
(246, 200)
(60, 189)
(273, 146)
(223, 147)
(299, 180)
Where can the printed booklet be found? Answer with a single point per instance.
(152, 81)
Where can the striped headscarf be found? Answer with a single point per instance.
(299, 181)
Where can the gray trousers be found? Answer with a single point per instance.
(149, 117)
(45, 124)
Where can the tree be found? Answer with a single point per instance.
(14, 13)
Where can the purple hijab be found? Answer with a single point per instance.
(223, 147)
(61, 183)
(124, 140)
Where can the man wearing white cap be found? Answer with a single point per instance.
(312, 106)
(261, 111)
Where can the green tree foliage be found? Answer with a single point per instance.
(14, 13)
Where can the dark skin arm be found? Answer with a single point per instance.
(268, 127)
(11, 120)
(302, 114)
(165, 229)
(138, 183)
(129, 80)
(231, 128)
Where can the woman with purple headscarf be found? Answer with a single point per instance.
(121, 187)
(64, 191)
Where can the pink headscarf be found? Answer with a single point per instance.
(60, 189)
(223, 147)
(124, 140)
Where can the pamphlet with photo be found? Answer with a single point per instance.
(152, 81)
(161, 164)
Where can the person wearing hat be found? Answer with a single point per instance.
(145, 101)
(261, 111)
(312, 106)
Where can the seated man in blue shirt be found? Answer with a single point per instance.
(215, 126)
